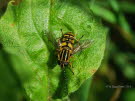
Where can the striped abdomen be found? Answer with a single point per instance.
(64, 56)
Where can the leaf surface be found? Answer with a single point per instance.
(22, 33)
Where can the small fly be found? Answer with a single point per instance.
(67, 46)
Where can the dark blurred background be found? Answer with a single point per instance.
(115, 79)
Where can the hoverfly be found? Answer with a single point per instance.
(67, 46)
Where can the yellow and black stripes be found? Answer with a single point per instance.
(64, 55)
(65, 49)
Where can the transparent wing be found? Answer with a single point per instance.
(82, 45)
(49, 37)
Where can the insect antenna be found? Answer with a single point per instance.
(61, 31)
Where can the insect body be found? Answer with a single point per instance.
(67, 46)
(65, 50)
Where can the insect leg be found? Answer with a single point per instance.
(70, 67)
(79, 38)
(59, 43)
(73, 58)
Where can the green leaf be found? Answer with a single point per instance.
(120, 16)
(33, 57)
(127, 7)
(82, 93)
(129, 94)
(107, 15)
(114, 4)
(8, 80)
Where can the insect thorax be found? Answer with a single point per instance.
(68, 37)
